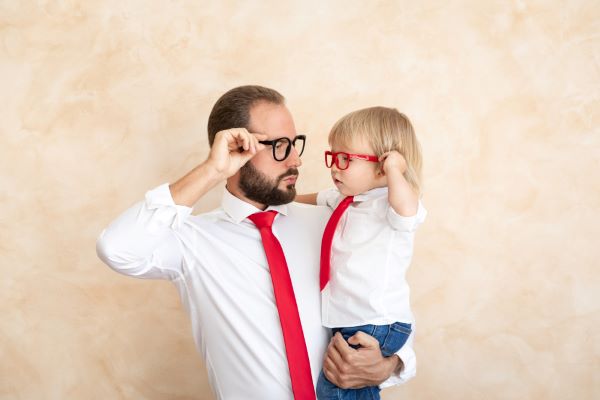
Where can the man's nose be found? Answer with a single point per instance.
(294, 159)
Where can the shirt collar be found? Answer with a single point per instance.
(238, 210)
(372, 194)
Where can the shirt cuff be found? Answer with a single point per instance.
(329, 198)
(408, 371)
(160, 201)
(406, 224)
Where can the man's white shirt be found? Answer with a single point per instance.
(217, 262)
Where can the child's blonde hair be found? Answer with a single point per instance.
(385, 129)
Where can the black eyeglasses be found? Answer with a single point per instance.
(282, 147)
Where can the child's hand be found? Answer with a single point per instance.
(393, 161)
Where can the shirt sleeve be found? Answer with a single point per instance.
(409, 368)
(406, 224)
(143, 241)
(329, 197)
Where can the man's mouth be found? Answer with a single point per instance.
(290, 180)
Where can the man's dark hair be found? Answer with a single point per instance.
(232, 110)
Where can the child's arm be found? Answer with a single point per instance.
(310, 198)
(400, 195)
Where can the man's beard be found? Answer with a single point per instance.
(259, 187)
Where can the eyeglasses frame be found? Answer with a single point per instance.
(291, 143)
(334, 158)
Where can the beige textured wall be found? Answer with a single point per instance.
(102, 100)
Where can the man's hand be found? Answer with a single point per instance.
(351, 368)
(232, 148)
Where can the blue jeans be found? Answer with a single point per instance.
(391, 338)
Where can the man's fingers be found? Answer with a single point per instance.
(344, 350)
(249, 141)
(332, 352)
(364, 340)
(329, 368)
(256, 137)
(254, 140)
(232, 138)
(242, 138)
(332, 363)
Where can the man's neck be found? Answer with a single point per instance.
(237, 192)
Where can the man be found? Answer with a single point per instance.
(251, 290)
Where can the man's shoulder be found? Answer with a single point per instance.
(208, 217)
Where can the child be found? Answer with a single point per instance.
(375, 162)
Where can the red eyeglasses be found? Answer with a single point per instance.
(342, 160)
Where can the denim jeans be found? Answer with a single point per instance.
(391, 338)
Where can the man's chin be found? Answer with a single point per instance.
(286, 187)
(287, 194)
(290, 191)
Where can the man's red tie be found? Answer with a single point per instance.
(328, 239)
(291, 326)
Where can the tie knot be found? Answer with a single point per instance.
(263, 219)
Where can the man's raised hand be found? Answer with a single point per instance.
(232, 148)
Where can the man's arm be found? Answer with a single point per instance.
(142, 242)
(231, 149)
(310, 198)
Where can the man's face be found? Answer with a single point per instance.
(263, 179)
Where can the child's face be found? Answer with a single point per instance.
(361, 175)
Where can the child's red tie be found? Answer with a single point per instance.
(328, 239)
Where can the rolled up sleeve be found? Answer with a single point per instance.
(409, 368)
(406, 224)
(143, 241)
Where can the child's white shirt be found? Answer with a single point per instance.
(370, 254)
